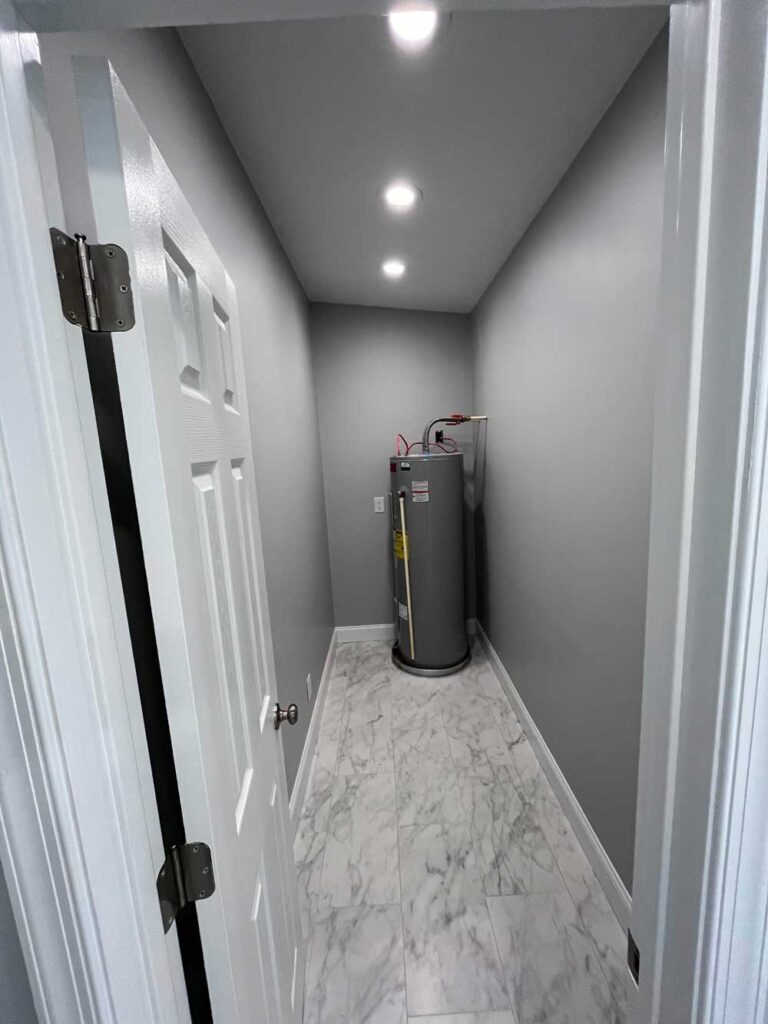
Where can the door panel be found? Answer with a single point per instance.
(186, 414)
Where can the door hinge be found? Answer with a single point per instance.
(94, 283)
(186, 876)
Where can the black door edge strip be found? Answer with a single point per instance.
(102, 373)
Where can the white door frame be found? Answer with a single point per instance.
(77, 843)
(703, 740)
(79, 892)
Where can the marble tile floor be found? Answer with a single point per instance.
(439, 880)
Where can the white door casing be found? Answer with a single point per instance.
(78, 840)
(180, 373)
(700, 887)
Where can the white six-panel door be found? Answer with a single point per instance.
(180, 372)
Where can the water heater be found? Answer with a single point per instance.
(428, 554)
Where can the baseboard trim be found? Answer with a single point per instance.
(601, 864)
(375, 631)
(380, 631)
(303, 775)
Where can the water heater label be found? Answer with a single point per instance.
(402, 611)
(399, 545)
(420, 490)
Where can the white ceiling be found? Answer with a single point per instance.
(89, 15)
(324, 113)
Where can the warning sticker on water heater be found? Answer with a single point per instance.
(399, 545)
(402, 611)
(420, 490)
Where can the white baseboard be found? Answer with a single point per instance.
(303, 775)
(376, 631)
(380, 631)
(601, 864)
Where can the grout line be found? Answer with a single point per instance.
(468, 824)
(507, 987)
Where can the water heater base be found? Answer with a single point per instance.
(416, 670)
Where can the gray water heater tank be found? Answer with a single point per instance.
(428, 552)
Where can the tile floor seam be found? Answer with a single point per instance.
(468, 821)
(501, 961)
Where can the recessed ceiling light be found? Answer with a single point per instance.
(413, 27)
(401, 196)
(393, 268)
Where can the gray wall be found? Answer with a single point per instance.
(16, 1005)
(158, 74)
(565, 370)
(378, 371)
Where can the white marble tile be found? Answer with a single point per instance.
(513, 854)
(451, 960)
(513, 735)
(428, 794)
(355, 968)
(610, 941)
(423, 744)
(415, 701)
(529, 771)
(366, 730)
(591, 903)
(309, 845)
(361, 856)
(359, 661)
(550, 963)
(490, 1017)
(491, 825)
(478, 678)
(329, 731)
(508, 722)
(475, 740)
(425, 776)
(510, 728)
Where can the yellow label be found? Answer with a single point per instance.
(399, 545)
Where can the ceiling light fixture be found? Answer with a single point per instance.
(413, 27)
(393, 269)
(401, 196)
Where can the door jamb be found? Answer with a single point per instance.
(706, 494)
(701, 739)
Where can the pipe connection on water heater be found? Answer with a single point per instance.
(453, 420)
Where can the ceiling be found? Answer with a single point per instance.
(325, 113)
(89, 15)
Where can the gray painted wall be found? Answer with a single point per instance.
(565, 370)
(378, 371)
(16, 1005)
(158, 74)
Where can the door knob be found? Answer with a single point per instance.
(289, 715)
